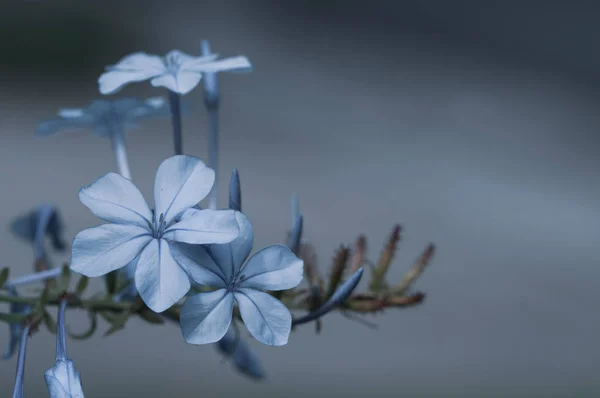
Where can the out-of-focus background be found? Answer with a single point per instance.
(472, 123)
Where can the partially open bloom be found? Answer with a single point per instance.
(136, 234)
(104, 116)
(206, 317)
(63, 380)
(177, 71)
(15, 329)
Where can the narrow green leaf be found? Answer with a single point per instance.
(110, 280)
(12, 318)
(81, 285)
(64, 280)
(118, 323)
(151, 317)
(89, 332)
(49, 322)
(3, 276)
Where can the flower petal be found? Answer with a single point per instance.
(266, 318)
(114, 198)
(63, 380)
(275, 267)
(230, 257)
(53, 126)
(244, 359)
(205, 227)
(181, 82)
(100, 250)
(181, 182)
(160, 280)
(239, 64)
(132, 68)
(206, 317)
(196, 261)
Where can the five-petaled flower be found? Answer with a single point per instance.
(135, 234)
(177, 71)
(104, 116)
(205, 317)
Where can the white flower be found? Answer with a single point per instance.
(206, 317)
(143, 237)
(177, 71)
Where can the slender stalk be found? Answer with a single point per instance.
(61, 340)
(175, 104)
(213, 152)
(36, 277)
(92, 304)
(211, 102)
(120, 151)
(20, 375)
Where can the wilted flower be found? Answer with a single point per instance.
(105, 117)
(135, 234)
(206, 317)
(34, 226)
(15, 329)
(177, 71)
(244, 360)
(63, 380)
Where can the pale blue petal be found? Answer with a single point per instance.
(53, 126)
(159, 279)
(71, 113)
(230, 257)
(239, 64)
(205, 317)
(196, 261)
(114, 198)
(181, 182)
(63, 380)
(266, 318)
(243, 358)
(132, 68)
(204, 227)
(181, 82)
(100, 250)
(272, 268)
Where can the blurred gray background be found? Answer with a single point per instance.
(472, 123)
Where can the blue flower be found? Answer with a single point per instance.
(177, 71)
(104, 116)
(15, 329)
(63, 380)
(137, 235)
(34, 226)
(206, 317)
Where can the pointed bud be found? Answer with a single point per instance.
(235, 191)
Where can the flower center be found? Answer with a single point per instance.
(234, 284)
(173, 63)
(158, 227)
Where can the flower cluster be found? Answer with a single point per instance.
(174, 260)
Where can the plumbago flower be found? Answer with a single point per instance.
(146, 238)
(205, 317)
(63, 379)
(177, 71)
(105, 116)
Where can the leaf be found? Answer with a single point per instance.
(49, 322)
(12, 318)
(82, 284)
(111, 282)
(415, 271)
(44, 297)
(150, 316)
(118, 323)
(87, 333)
(4, 276)
(64, 280)
(340, 261)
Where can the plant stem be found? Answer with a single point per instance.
(175, 104)
(85, 304)
(213, 152)
(118, 145)
(20, 375)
